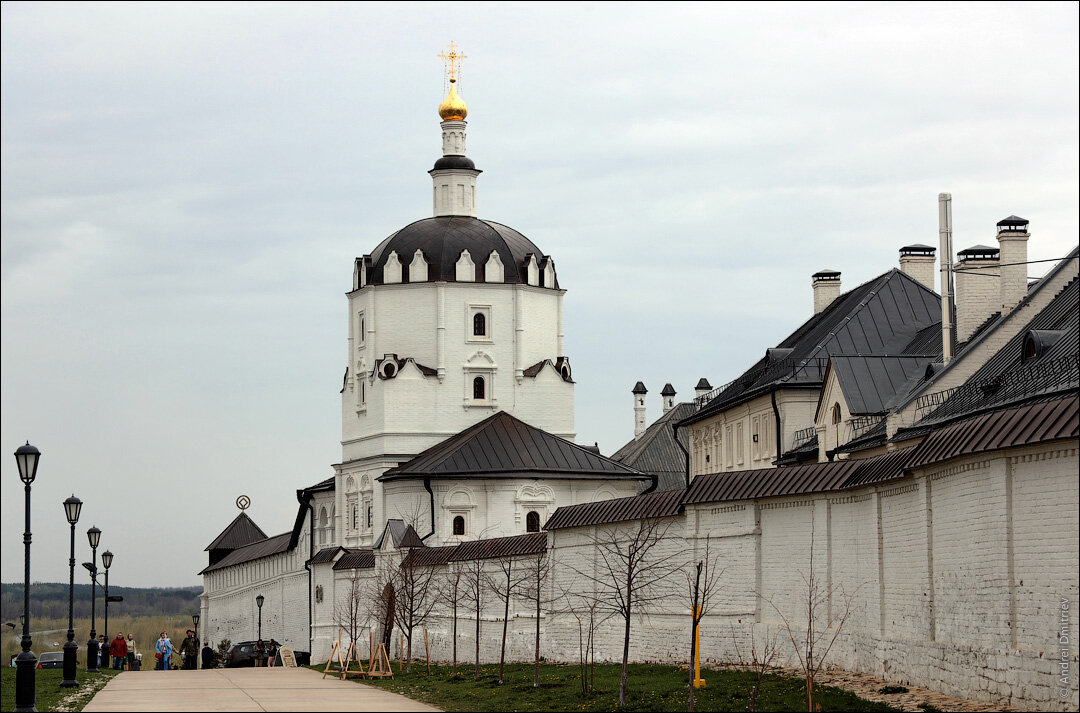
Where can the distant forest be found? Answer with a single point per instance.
(50, 600)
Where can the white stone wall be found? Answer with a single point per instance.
(956, 578)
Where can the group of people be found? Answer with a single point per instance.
(122, 651)
(188, 650)
(266, 654)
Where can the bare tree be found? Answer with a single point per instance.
(449, 590)
(761, 661)
(349, 612)
(533, 585)
(416, 598)
(702, 585)
(586, 610)
(813, 643)
(504, 584)
(633, 575)
(475, 589)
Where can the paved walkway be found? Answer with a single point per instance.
(244, 689)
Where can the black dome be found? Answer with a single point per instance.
(455, 162)
(443, 238)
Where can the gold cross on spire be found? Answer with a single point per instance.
(452, 61)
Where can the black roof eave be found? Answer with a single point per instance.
(534, 474)
(742, 398)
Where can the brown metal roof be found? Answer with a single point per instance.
(401, 535)
(503, 446)
(241, 531)
(664, 503)
(256, 550)
(356, 559)
(1034, 423)
(326, 555)
(518, 546)
(428, 556)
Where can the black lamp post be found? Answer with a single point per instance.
(106, 560)
(72, 508)
(195, 623)
(27, 457)
(94, 535)
(259, 600)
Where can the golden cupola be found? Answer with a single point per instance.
(453, 107)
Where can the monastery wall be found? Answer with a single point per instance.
(955, 578)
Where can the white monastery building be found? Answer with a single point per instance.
(928, 465)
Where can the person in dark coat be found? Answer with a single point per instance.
(189, 649)
(207, 656)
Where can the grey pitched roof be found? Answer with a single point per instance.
(515, 546)
(241, 531)
(882, 316)
(356, 559)
(655, 451)
(869, 383)
(256, 550)
(401, 535)
(326, 554)
(502, 446)
(667, 503)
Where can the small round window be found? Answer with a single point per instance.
(389, 370)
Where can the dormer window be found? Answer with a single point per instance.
(389, 370)
(1037, 342)
(836, 416)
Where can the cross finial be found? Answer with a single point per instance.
(452, 61)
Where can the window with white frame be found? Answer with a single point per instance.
(478, 327)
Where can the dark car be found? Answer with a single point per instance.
(51, 659)
(243, 654)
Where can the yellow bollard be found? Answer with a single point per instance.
(699, 682)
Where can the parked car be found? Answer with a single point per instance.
(51, 659)
(243, 654)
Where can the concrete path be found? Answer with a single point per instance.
(244, 689)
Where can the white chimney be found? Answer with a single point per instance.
(639, 408)
(669, 397)
(978, 288)
(917, 262)
(1012, 237)
(703, 387)
(826, 288)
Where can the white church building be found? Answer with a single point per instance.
(457, 410)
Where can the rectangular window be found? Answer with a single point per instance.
(739, 442)
(355, 517)
(727, 447)
(369, 517)
(361, 335)
(755, 450)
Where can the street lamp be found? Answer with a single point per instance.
(72, 508)
(106, 560)
(94, 536)
(195, 624)
(27, 457)
(259, 600)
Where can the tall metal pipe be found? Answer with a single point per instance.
(948, 307)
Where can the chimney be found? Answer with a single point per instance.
(826, 288)
(1012, 237)
(978, 288)
(639, 408)
(669, 397)
(703, 387)
(917, 262)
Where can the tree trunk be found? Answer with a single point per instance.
(477, 672)
(625, 659)
(506, 620)
(408, 651)
(454, 670)
(536, 659)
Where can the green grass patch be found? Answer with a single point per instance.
(49, 695)
(652, 687)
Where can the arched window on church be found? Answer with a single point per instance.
(478, 388)
(323, 520)
(459, 525)
(532, 521)
(479, 325)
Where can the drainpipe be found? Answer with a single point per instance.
(779, 433)
(305, 499)
(431, 497)
(686, 454)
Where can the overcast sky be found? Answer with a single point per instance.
(185, 187)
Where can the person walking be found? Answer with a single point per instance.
(130, 652)
(164, 650)
(118, 649)
(189, 649)
(207, 656)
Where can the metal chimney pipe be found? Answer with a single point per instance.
(948, 310)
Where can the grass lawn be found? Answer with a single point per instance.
(49, 693)
(651, 688)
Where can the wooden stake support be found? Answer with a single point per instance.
(380, 664)
(427, 651)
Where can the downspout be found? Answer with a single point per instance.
(779, 433)
(431, 497)
(305, 499)
(686, 453)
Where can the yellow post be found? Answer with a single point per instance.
(699, 682)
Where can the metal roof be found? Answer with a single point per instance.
(401, 535)
(869, 383)
(241, 531)
(428, 556)
(356, 559)
(655, 451)
(665, 503)
(503, 446)
(1023, 425)
(639, 388)
(256, 550)
(517, 546)
(882, 316)
(326, 555)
